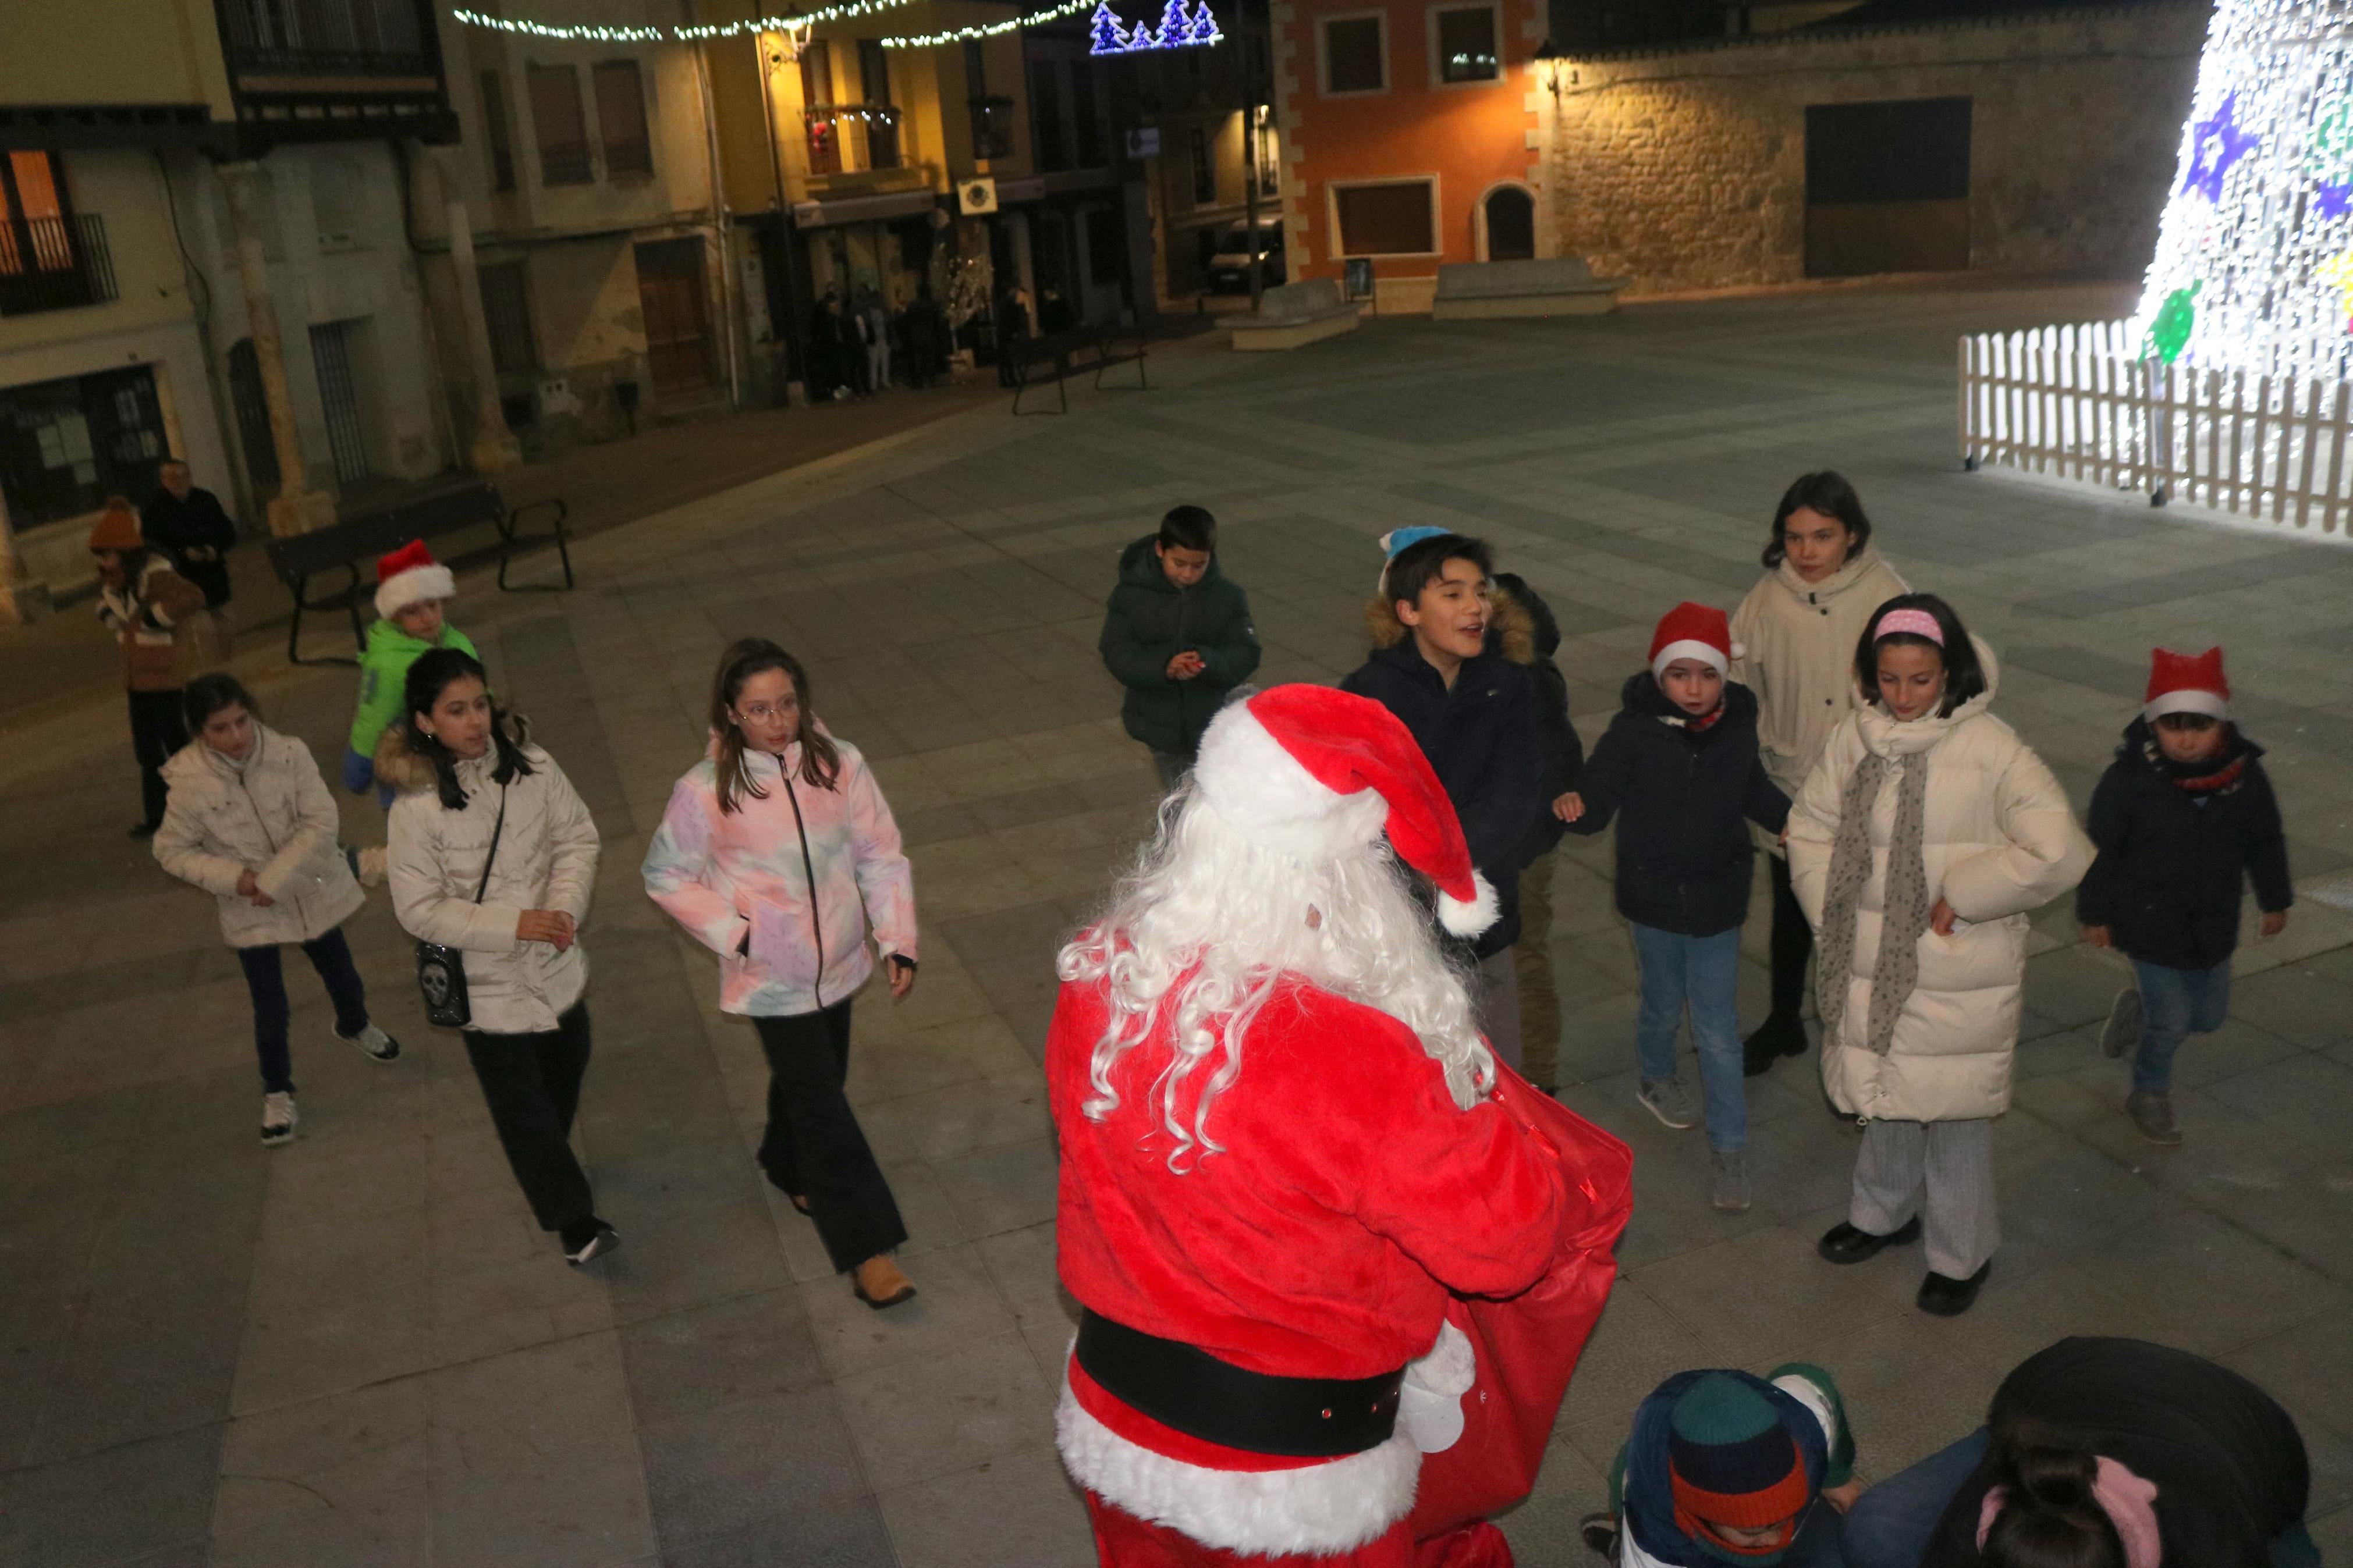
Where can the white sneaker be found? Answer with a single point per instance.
(1671, 1103)
(379, 1045)
(278, 1118)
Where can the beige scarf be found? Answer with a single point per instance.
(1906, 910)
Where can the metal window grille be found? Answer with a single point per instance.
(251, 405)
(506, 313)
(53, 264)
(363, 35)
(331, 354)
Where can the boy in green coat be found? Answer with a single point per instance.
(1178, 635)
(413, 592)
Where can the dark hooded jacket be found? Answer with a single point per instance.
(1684, 856)
(2173, 859)
(1149, 622)
(1479, 736)
(1564, 754)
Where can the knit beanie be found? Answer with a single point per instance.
(118, 527)
(1731, 1461)
(1398, 540)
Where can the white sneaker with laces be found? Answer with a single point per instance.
(278, 1118)
(1669, 1101)
(378, 1044)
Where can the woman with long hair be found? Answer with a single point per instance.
(779, 854)
(248, 819)
(494, 854)
(1919, 845)
(1794, 638)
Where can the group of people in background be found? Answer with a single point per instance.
(1844, 722)
(860, 346)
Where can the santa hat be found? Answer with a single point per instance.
(118, 527)
(1693, 631)
(2186, 683)
(1316, 774)
(1731, 1461)
(410, 576)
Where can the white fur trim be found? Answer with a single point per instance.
(414, 586)
(1467, 920)
(2188, 699)
(1430, 1405)
(1265, 795)
(1689, 648)
(1310, 1512)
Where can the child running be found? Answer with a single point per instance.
(249, 820)
(2183, 819)
(1680, 761)
(412, 597)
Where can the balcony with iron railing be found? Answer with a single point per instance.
(311, 39)
(53, 264)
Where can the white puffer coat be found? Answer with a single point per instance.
(1796, 654)
(546, 860)
(274, 818)
(1998, 840)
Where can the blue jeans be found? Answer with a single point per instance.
(1702, 972)
(265, 977)
(2174, 1005)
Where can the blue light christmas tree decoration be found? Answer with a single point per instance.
(1180, 28)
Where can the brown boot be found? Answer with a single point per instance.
(878, 1282)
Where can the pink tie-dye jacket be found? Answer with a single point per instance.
(721, 875)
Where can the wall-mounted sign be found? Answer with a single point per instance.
(1144, 141)
(978, 197)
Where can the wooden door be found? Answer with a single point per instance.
(678, 327)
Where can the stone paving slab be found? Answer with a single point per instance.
(358, 1350)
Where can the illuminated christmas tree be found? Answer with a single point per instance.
(1104, 34)
(2253, 268)
(1204, 27)
(1175, 27)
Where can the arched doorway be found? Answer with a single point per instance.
(1511, 215)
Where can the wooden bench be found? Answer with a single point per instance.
(1292, 315)
(1550, 286)
(1075, 353)
(370, 529)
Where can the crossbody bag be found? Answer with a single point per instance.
(441, 971)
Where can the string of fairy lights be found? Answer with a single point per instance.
(793, 26)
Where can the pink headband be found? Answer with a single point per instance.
(2127, 1499)
(1919, 623)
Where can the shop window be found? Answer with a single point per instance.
(500, 132)
(1393, 217)
(621, 118)
(1465, 49)
(1356, 56)
(66, 446)
(561, 125)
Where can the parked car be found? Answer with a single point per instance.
(1229, 264)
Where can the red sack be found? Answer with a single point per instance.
(1527, 1347)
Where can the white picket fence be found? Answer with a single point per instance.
(2081, 403)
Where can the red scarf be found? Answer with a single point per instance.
(2221, 781)
(1699, 726)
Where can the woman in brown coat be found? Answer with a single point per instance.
(159, 619)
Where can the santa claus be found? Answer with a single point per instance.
(1317, 1234)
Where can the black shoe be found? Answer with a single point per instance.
(1949, 1298)
(1600, 1533)
(144, 829)
(601, 1239)
(1843, 1243)
(1774, 1039)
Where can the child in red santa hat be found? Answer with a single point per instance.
(1284, 1146)
(412, 600)
(2184, 818)
(1679, 762)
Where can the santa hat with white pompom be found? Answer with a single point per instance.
(1317, 774)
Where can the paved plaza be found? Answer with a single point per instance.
(357, 1350)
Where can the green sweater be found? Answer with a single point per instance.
(383, 674)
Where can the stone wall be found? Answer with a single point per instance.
(1686, 169)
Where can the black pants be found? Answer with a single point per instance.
(532, 1084)
(813, 1149)
(1792, 946)
(158, 729)
(265, 977)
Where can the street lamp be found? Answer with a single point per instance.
(1551, 60)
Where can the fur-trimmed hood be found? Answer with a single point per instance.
(1511, 628)
(409, 771)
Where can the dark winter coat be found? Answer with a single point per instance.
(1150, 621)
(2172, 861)
(1479, 736)
(2229, 1466)
(1564, 754)
(196, 534)
(1685, 859)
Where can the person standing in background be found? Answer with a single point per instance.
(189, 526)
(158, 617)
(1178, 634)
(1564, 757)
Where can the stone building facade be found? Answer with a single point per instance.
(1687, 168)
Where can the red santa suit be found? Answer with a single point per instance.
(1267, 1353)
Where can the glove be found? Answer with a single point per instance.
(359, 772)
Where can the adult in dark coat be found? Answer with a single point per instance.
(192, 529)
(2175, 1459)
(828, 343)
(927, 329)
(1178, 634)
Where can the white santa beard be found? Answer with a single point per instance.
(1209, 923)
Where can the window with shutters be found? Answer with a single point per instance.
(560, 125)
(506, 313)
(498, 131)
(1387, 217)
(621, 119)
(1356, 54)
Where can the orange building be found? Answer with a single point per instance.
(1408, 137)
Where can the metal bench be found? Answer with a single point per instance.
(1075, 353)
(370, 529)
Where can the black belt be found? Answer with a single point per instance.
(1181, 1387)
